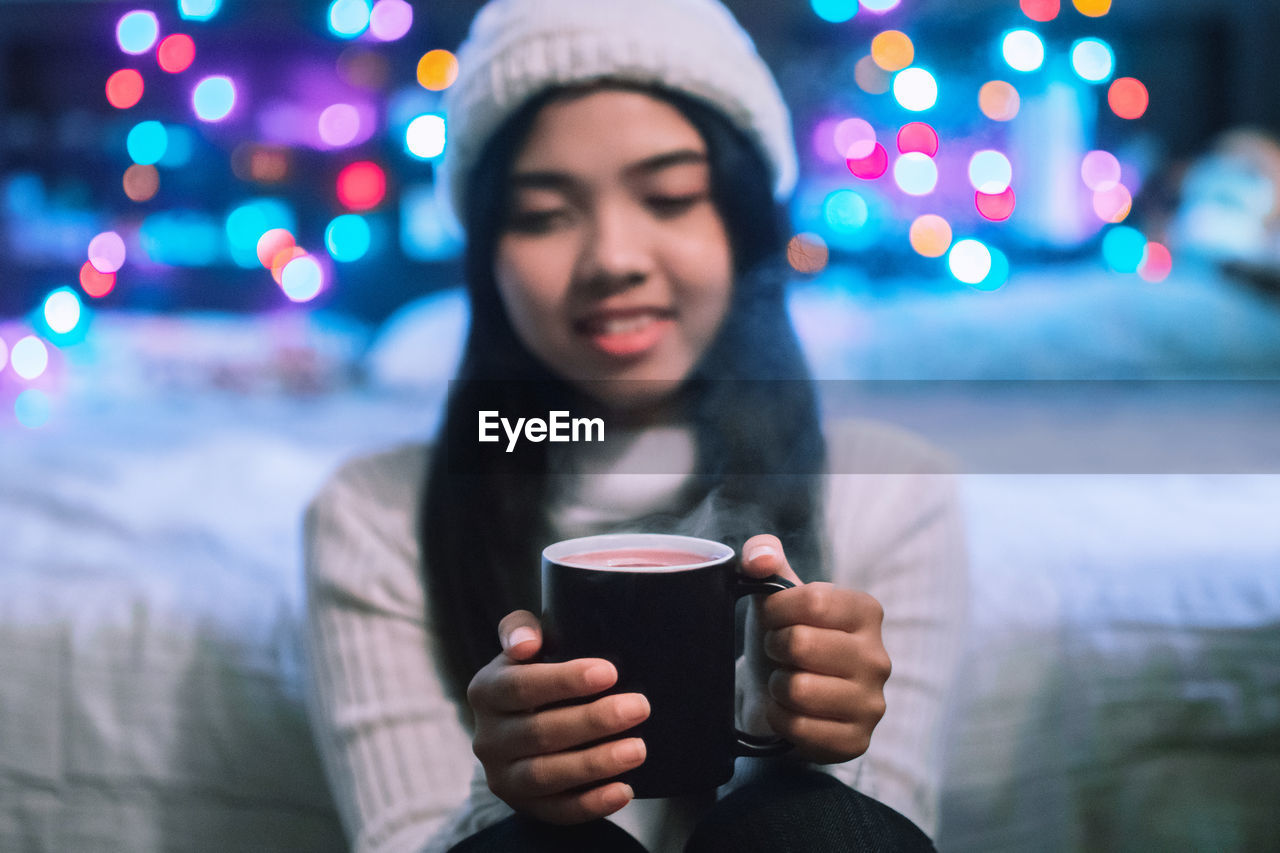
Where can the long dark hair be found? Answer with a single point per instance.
(750, 400)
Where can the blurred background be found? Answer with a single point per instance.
(223, 270)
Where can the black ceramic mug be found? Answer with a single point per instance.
(669, 630)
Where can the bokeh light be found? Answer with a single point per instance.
(124, 88)
(1156, 263)
(94, 283)
(29, 357)
(214, 98)
(1092, 59)
(969, 261)
(107, 252)
(62, 310)
(917, 136)
(437, 69)
(32, 408)
(263, 164)
(1023, 50)
(272, 242)
(879, 6)
(871, 78)
(892, 50)
(845, 211)
(870, 167)
(390, 19)
(302, 279)
(1092, 8)
(198, 10)
(339, 125)
(997, 274)
(996, 207)
(990, 171)
(249, 221)
(348, 237)
(998, 100)
(930, 235)
(362, 185)
(137, 31)
(1127, 97)
(146, 143)
(1039, 10)
(915, 89)
(424, 138)
(1100, 170)
(181, 145)
(915, 173)
(349, 18)
(834, 11)
(1123, 248)
(282, 259)
(4, 354)
(363, 68)
(854, 138)
(807, 253)
(176, 53)
(1113, 204)
(141, 183)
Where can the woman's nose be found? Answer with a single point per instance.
(616, 253)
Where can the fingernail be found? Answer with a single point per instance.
(622, 795)
(523, 634)
(629, 751)
(634, 708)
(599, 676)
(759, 551)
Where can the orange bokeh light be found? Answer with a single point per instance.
(930, 235)
(892, 50)
(437, 69)
(807, 253)
(141, 183)
(998, 100)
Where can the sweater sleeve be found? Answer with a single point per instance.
(896, 533)
(395, 751)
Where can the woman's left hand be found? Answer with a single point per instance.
(817, 661)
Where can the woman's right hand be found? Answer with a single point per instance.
(536, 758)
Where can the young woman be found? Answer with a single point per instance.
(617, 168)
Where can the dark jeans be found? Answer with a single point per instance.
(792, 810)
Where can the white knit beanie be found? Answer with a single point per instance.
(518, 48)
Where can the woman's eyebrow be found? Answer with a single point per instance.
(667, 159)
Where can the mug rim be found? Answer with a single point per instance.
(717, 554)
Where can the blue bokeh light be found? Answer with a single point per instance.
(1023, 50)
(248, 222)
(214, 98)
(198, 10)
(1092, 59)
(1122, 248)
(147, 143)
(349, 18)
(348, 237)
(137, 32)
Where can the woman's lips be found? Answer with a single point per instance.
(626, 333)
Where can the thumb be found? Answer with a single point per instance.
(762, 556)
(521, 635)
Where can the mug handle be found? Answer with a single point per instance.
(760, 746)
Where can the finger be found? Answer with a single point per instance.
(580, 807)
(818, 739)
(811, 695)
(762, 555)
(545, 775)
(559, 729)
(521, 635)
(821, 605)
(824, 651)
(526, 687)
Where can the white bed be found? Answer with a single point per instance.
(1121, 682)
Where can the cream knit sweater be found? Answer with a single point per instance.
(397, 755)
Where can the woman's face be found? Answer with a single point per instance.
(614, 264)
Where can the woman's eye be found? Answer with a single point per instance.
(674, 205)
(536, 221)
